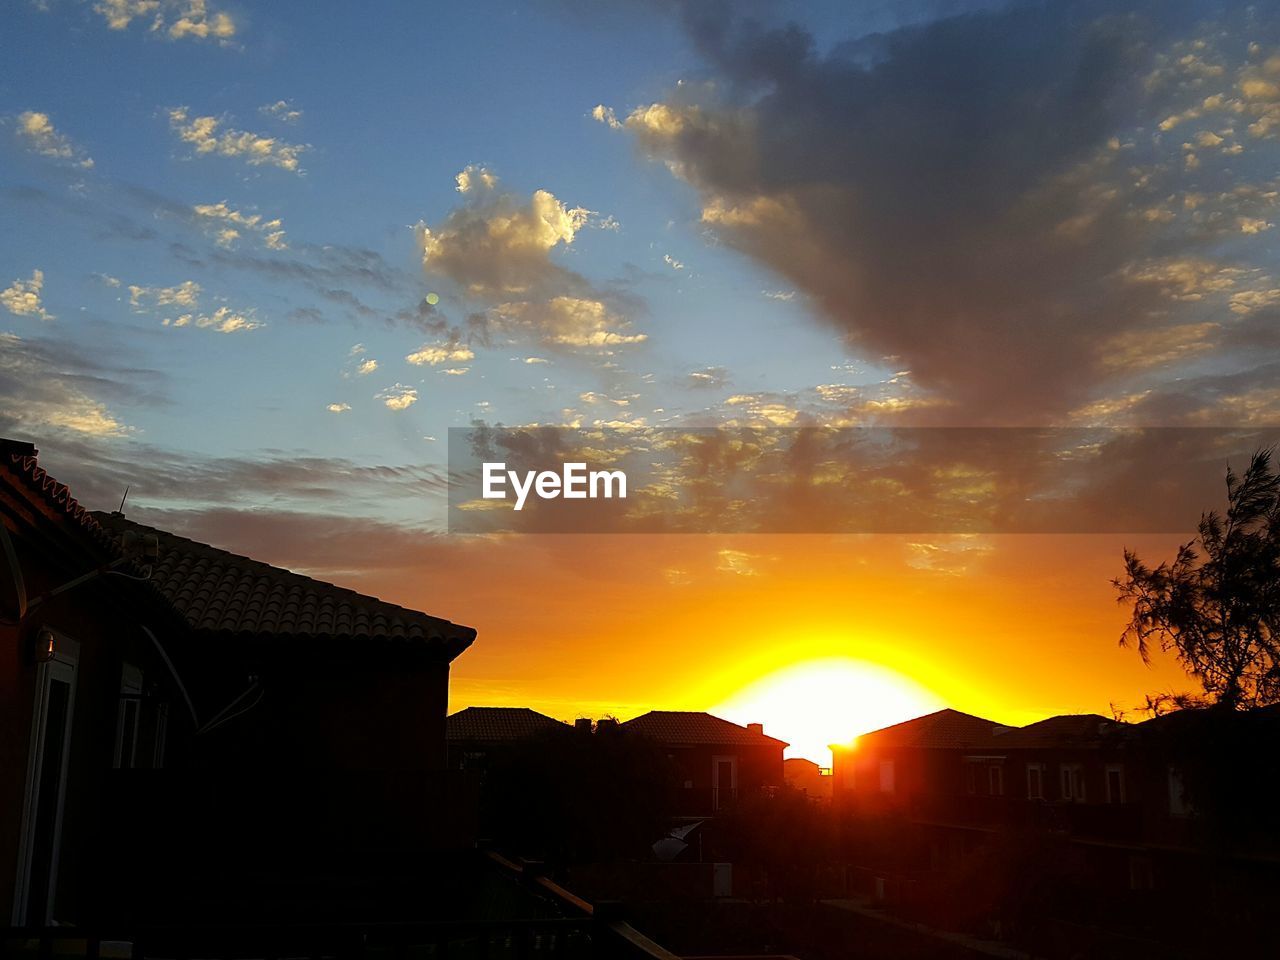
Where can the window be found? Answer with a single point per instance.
(1035, 781)
(995, 780)
(984, 776)
(1073, 782)
(724, 781)
(1115, 783)
(127, 717)
(886, 776)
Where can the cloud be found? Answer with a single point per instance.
(255, 149)
(45, 388)
(366, 367)
(398, 397)
(606, 116)
(23, 297)
(36, 130)
(475, 178)
(228, 224)
(173, 19)
(738, 562)
(498, 246)
(282, 110)
(567, 321)
(185, 296)
(949, 556)
(716, 377)
(979, 195)
(338, 407)
(175, 482)
(498, 249)
(221, 320)
(435, 354)
(672, 262)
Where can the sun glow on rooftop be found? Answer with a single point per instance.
(832, 700)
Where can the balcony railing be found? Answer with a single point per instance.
(1109, 821)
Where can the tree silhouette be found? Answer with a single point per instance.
(1217, 603)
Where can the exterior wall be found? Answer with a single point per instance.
(101, 618)
(757, 768)
(958, 787)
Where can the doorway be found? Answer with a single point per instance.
(40, 843)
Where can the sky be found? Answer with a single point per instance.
(259, 259)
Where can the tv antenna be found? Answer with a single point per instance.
(123, 499)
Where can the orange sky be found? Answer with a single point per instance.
(1011, 627)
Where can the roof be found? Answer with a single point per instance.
(216, 591)
(499, 724)
(940, 730)
(20, 460)
(1068, 730)
(689, 728)
(793, 763)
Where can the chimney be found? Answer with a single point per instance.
(756, 728)
(582, 725)
(606, 725)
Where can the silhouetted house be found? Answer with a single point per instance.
(319, 714)
(807, 777)
(180, 725)
(476, 733)
(715, 760)
(916, 760)
(81, 689)
(1149, 824)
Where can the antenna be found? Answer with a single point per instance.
(123, 499)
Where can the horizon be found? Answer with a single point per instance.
(264, 265)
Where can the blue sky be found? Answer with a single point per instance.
(390, 108)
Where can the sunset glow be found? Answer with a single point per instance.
(819, 702)
(260, 300)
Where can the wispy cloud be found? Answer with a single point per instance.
(229, 225)
(282, 110)
(36, 130)
(181, 306)
(207, 136)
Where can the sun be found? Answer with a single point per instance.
(820, 702)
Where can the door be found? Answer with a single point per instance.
(41, 837)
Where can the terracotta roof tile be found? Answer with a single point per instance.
(218, 591)
(1068, 730)
(21, 459)
(499, 724)
(691, 727)
(940, 730)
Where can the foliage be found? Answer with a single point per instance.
(1216, 605)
